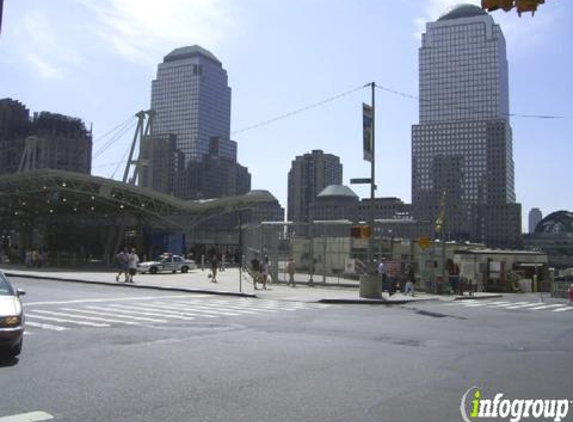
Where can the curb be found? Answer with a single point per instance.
(374, 301)
(135, 286)
(477, 297)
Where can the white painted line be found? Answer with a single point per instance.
(123, 314)
(500, 304)
(475, 304)
(179, 310)
(46, 326)
(200, 309)
(139, 311)
(566, 308)
(117, 299)
(544, 307)
(527, 305)
(254, 308)
(91, 318)
(166, 309)
(28, 333)
(69, 321)
(27, 417)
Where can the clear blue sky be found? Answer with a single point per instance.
(95, 60)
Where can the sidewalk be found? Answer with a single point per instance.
(230, 283)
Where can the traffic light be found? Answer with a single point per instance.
(491, 5)
(360, 232)
(527, 6)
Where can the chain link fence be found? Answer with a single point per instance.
(323, 252)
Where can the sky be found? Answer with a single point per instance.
(95, 60)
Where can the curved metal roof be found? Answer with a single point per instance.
(462, 11)
(559, 222)
(183, 53)
(337, 191)
(58, 192)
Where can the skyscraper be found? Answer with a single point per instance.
(462, 160)
(535, 216)
(308, 176)
(192, 100)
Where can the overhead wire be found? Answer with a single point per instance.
(102, 137)
(114, 139)
(300, 110)
(457, 106)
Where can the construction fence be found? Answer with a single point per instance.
(324, 250)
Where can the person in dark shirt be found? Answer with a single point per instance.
(256, 270)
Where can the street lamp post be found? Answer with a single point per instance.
(370, 285)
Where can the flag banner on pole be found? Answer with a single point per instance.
(367, 131)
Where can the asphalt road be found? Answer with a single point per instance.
(99, 353)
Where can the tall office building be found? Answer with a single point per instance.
(309, 175)
(535, 216)
(192, 101)
(462, 160)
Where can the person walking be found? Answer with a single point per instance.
(122, 261)
(214, 267)
(265, 272)
(290, 268)
(571, 295)
(381, 269)
(132, 261)
(255, 270)
(410, 280)
(311, 272)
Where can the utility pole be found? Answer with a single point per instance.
(371, 284)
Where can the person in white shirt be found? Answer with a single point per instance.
(132, 261)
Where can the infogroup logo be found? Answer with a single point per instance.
(513, 410)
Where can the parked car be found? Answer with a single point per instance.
(11, 318)
(166, 263)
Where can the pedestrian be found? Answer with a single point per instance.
(132, 261)
(290, 268)
(214, 267)
(571, 295)
(122, 261)
(381, 269)
(265, 272)
(255, 270)
(471, 286)
(311, 272)
(410, 280)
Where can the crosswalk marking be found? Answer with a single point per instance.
(45, 326)
(524, 306)
(187, 311)
(142, 311)
(216, 310)
(153, 310)
(117, 299)
(568, 308)
(91, 318)
(544, 307)
(250, 307)
(127, 314)
(69, 321)
(194, 310)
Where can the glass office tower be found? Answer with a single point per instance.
(462, 159)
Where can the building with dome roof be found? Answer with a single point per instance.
(462, 159)
(334, 202)
(554, 236)
(191, 99)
